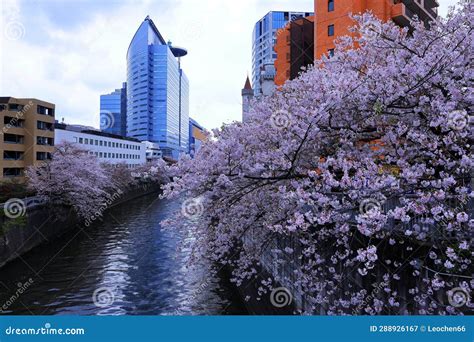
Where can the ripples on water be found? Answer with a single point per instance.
(131, 256)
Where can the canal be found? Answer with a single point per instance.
(125, 265)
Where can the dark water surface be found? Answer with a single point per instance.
(125, 265)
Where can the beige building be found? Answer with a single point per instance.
(26, 135)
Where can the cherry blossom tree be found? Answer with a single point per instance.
(72, 178)
(355, 177)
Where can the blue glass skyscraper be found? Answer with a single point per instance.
(157, 92)
(113, 112)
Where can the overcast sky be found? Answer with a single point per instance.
(69, 52)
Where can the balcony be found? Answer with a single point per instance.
(403, 11)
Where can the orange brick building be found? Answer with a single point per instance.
(332, 20)
(294, 48)
(333, 17)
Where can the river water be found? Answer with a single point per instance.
(125, 265)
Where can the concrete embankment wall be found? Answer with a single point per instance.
(43, 223)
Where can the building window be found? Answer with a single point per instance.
(12, 155)
(14, 107)
(44, 141)
(330, 5)
(331, 52)
(86, 141)
(13, 122)
(81, 140)
(45, 110)
(13, 139)
(331, 30)
(12, 172)
(43, 156)
(44, 126)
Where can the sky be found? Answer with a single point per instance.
(69, 52)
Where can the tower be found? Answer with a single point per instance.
(247, 96)
(157, 92)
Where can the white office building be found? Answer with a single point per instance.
(107, 147)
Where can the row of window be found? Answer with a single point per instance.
(17, 155)
(20, 139)
(112, 155)
(331, 27)
(13, 172)
(15, 107)
(20, 123)
(96, 142)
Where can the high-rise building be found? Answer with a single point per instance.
(27, 135)
(113, 112)
(264, 38)
(247, 96)
(157, 92)
(333, 17)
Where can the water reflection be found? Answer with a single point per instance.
(128, 257)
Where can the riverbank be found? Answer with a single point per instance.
(41, 224)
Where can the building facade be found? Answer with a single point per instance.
(196, 137)
(303, 40)
(27, 135)
(113, 112)
(108, 148)
(263, 43)
(333, 17)
(294, 49)
(153, 151)
(157, 92)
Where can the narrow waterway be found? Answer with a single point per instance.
(125, 265)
